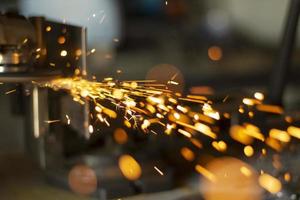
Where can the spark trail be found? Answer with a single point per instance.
(146, 105)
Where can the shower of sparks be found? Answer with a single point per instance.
(11, 91)
(149, 106)
(158, 170)
(143, 102)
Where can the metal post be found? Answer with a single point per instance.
(280, 70)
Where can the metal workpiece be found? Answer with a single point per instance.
(12, 59)
(17, 39)
(15, 30)
(36, 49)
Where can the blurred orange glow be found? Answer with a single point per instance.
(206, 173)
(129, 167)
(127, 123)
(219, 146)
(118, 94)
(288, 119)
(248, 151)
(215, 53)
(238, 133)
(78, 52)
(274, 144)
(202, 90)
(247, 172)
(280, 135)
(206, 130)
(48, 28)
(269, 183)
(259, 96)
(294, 131)
(120, 136)
(276, 162)
(61, 40)
(232, 180)
(264, 152)
(187, 154)
(248, 101)
(63, 53)
(91, 129)
(254, 132)
(269, 108)
(185, 133)
(209, 111)
(196, 142)
(82, 180)
(287, 177)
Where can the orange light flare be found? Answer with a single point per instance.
(280, 135)
(269, 183)
(224, 176)
(187, 154)
(215, 53)
(248, 151)
(269, 108)
(82, 180)
(129, 167)
(220, 146)
(120, 136)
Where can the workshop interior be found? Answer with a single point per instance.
(149, 99)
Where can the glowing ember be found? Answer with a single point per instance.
(280, 135)
(129, 167)
(158, 170)
(269, 108)
(248, 151)
(120, 136)
(215, 53)
(63, 53)
(11, 91)
(287, 177)
(207, 174)
(219, 146)
(91, 129)
(68, 120)
(246, 171)
(294, 131)
(269, 183)
(52, 121)
(187, 153)
(259, 96)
